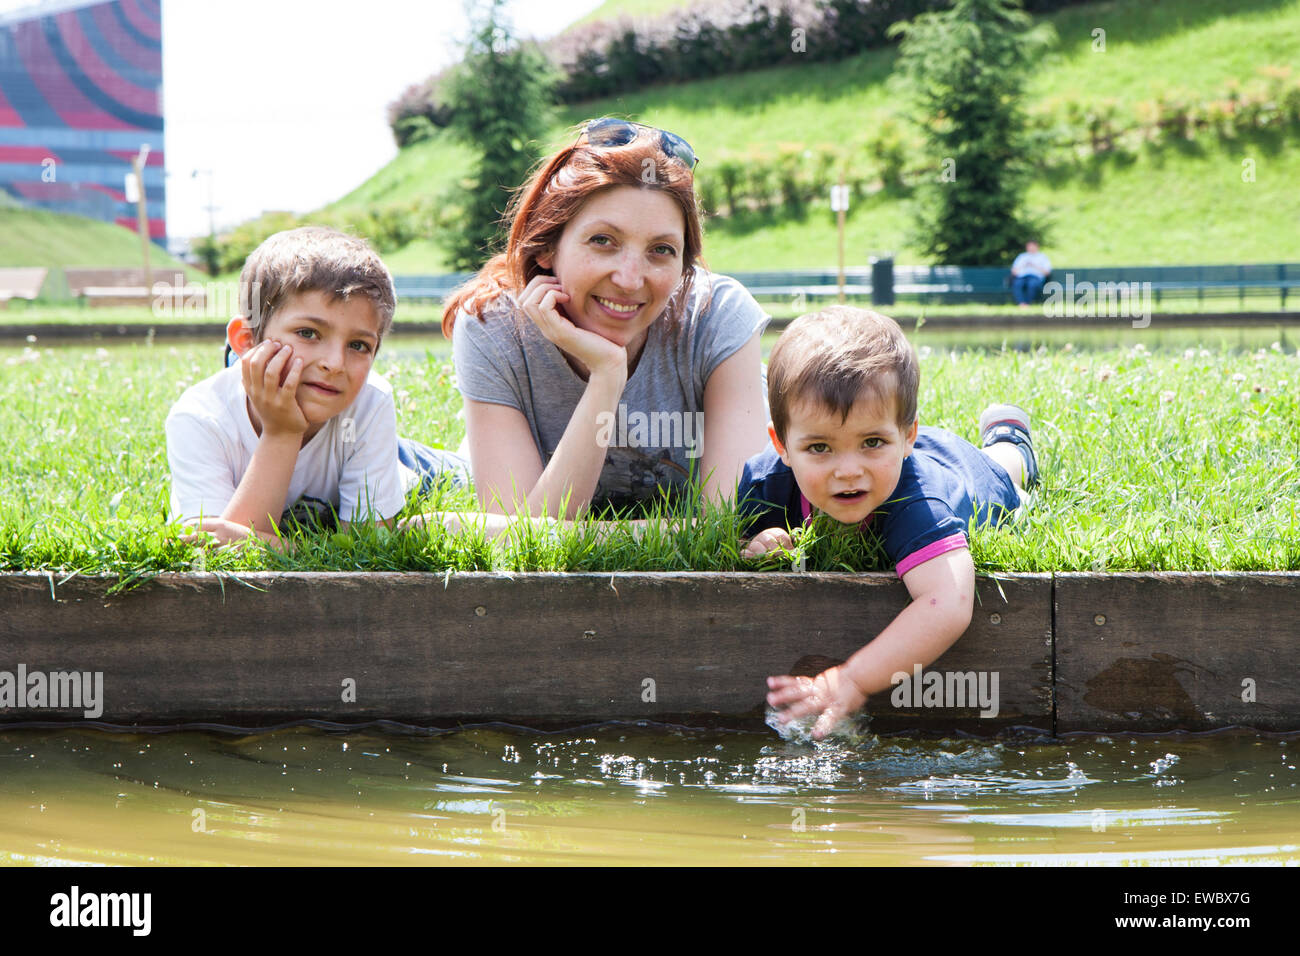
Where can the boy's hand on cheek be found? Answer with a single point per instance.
(831, 694)
(271, 377)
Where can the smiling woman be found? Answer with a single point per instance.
(598, 315)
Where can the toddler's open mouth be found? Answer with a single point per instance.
(850, 495)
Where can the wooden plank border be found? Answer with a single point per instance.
(1158, 652)
(428, 649)
(1071, 652)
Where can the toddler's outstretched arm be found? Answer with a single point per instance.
(943, 597)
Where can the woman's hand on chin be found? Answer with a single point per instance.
(541, 302)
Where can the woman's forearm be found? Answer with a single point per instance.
(569, 480)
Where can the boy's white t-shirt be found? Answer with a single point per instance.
(350, 465)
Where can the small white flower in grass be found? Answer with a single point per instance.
(1276, 346)
(1166, 397)
(1239, 377)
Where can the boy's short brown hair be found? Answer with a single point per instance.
(313, 259)
(838, 356)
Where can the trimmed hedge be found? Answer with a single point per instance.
(710, 38)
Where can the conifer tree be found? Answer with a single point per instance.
(966, 68)
(501, 98)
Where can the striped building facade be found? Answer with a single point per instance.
(80, 92)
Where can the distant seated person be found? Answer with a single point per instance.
(1028, 273)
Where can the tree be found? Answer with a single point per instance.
(500, 98)
(966, 68)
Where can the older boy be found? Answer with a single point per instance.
(846, 441)
(300, 425)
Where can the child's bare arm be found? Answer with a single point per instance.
(260, 496)
(495, 525)
(220, 532)
(943, 597)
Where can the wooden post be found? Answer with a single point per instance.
(843, 208)
(142, 215)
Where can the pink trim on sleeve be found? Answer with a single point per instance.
(932, 550)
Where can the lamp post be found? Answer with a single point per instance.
(142, 216)
(839, 206)
(210, 253)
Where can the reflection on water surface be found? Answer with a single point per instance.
(622, 793)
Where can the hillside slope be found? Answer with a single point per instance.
(34, 237)
(1170, 205)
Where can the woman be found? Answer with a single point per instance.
(594, 355)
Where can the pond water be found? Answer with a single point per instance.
(643, 794)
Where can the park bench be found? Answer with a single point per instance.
(96, 287)
(953, 284)
(1199, 281)
(429, 287)
(809, 283)
(967, 284)
(21, 283)
(109, 287)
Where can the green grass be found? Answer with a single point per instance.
(424, 169)
(1164, 459)
(34, 237)
(613, 9)
(1163, 207)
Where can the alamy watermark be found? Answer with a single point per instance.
(75, 908)
(638, 429)
(1093, 300)
(946, 689)
(60, 690)
(211, 300)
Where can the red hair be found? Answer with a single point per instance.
(544, 205)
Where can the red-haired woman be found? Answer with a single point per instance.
(599, 363)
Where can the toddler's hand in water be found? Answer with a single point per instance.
(831, 694)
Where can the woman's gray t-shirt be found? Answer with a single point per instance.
(655, 439)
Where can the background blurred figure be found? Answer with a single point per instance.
(1028, 273)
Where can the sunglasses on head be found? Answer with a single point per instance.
(608, 131)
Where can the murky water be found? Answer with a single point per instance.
(619, 793)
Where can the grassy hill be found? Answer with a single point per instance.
(613, 9)
(1174, 205)
(1183, 204)
(34, 237)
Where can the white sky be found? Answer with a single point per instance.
(284, 100)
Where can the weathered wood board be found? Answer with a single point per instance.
(425, 649)
(1152, 652)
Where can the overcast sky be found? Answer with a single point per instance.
(284, 100)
